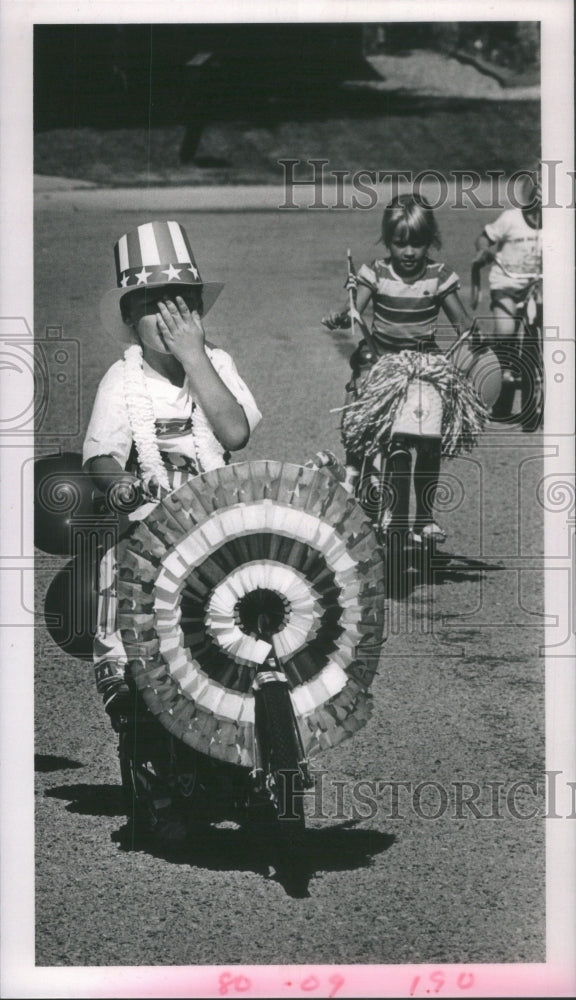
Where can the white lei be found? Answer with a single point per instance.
(208, 451)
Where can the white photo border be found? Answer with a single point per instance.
(20, 976)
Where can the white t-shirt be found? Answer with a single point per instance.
(109, 431)
(519, 247)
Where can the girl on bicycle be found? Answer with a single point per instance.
(407, 290)
(515, 240)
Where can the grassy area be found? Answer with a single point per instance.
(374, 132)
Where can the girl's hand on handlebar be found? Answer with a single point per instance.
(337, 320)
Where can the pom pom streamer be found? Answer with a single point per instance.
(202, 565)
(368, 421)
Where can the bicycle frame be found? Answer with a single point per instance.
(272, 673)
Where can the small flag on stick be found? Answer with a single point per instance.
(355, 316)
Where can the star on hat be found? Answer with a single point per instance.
(173, 273)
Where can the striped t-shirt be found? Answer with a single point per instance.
(405, 311)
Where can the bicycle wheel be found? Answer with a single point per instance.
(372, 492)
(393, 525)
(280, 750)
(383, 489)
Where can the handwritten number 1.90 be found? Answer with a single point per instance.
(438, 980)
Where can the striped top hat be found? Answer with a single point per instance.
(154, 255)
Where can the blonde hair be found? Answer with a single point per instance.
(413, 216)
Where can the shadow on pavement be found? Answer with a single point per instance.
(90, 800)
(229, 847)
(45, 762)
(440, 568)
(336, 848)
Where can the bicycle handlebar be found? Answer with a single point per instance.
(469, 333)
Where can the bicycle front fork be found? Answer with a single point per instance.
(408, 460)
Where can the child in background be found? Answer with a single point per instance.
(516, 239)
(407, 290)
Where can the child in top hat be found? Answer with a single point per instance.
(173, 407)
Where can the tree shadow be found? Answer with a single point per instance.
(325, 101)
(211, 162)
(320, 104)
(45, 762)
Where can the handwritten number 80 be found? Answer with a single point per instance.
(241, 984)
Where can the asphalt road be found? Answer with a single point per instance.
(458, 698)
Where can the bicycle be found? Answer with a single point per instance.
(415, 427)
(529, 378)
(268, 800)
(259, 657)
(388, 473)
(397, 473)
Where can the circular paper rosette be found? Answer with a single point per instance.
(194, 575)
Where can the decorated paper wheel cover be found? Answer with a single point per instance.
(193, 575)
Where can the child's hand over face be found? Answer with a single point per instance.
(181, 329)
